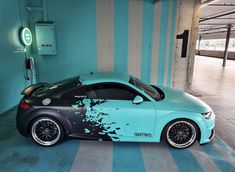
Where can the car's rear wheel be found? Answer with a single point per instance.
(46, 131)
(181, 133)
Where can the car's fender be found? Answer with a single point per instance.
(52, 114)
(162, 121)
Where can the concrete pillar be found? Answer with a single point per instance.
(199, 44)
(188, 19)
(227, 44)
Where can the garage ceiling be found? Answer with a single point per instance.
(215, 17)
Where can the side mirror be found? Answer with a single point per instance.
(138, 100)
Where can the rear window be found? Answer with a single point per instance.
(42, 91)
(49, 88)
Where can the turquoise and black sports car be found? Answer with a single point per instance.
(115, 107)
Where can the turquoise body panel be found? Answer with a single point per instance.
(122, 120)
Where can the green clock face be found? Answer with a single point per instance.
(26, 36)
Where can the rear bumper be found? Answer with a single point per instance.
(22, 130)
(21, 124)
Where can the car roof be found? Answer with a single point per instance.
(104, 77)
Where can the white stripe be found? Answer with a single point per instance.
(105, 34)
(157, 157)
(226, 146)
(156, 36)
(203, 159)
(168, 43)
(135, 37)
(227, 154)
(93, 156)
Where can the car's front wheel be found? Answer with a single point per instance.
(181, 133)
(46, 131)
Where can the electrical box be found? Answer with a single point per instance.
(45, 37)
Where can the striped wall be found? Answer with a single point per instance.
(137, 37)
(129, 36)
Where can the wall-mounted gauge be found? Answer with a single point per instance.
(26, 36)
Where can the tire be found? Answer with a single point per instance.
(181, 133)
(46, 131)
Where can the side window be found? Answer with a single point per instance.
(78, 92)
(111, 92)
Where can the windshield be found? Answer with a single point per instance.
(148, 89)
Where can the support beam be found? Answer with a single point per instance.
(215, 24)
(211, 28)
(208, 33)
(227, 44)
(208, 2)
(42, 9)
(216, 16)
(222, 5)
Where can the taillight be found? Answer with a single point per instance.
(24, 105)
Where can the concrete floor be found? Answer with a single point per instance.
(215, 85)
(21, 154)
(18, 153)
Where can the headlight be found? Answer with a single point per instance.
(208, 115)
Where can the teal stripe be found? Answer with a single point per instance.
(225, 146)
(185, 160)
(163, 40)
(127, 157)
(172, 39)
(58, 158)
(25, 155)
(21, 154)
(147, 35)
(218, 159)
(121, 35)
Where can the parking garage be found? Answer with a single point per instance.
(188, 45)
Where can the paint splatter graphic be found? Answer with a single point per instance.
(94, 120)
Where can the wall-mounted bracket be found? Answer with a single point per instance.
(43, 9)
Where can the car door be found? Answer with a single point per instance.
(72, 107)
(113, 115)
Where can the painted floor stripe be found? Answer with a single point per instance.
(155, 156)
(185, 160)
(21, 154)
(218, 159)
(228, 155)
(225, 146)
(204, 160)
(93, 156)
(127, 157)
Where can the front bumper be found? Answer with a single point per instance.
(207, 131)
(212, 134)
